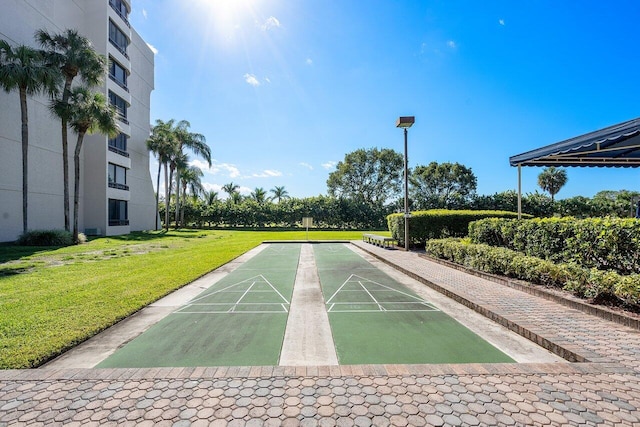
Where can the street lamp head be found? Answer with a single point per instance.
(405, 122)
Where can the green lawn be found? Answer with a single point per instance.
(52, 299)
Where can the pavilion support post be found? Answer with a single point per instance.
(519, 192)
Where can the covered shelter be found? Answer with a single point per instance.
(614, 146)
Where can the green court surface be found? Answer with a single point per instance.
(239, 321)
(376, 320)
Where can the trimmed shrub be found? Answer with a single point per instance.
(46, 238)
(602, 243)
(584, 282)
(438, 223)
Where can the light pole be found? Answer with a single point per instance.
(405, 123)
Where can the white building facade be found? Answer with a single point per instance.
(116, 191)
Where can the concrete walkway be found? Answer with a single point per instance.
(603, 389)
(307, 338)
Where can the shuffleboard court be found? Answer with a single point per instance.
(239, 321)
(376, 320)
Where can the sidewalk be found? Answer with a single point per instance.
(604, 389)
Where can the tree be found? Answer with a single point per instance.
(259, 195)
(231, 189)
(195, 142)
(161, 143)
(177, 160)
(87, 112)
(371, 176)
(23, 68)
(552, 180)
(190, 177)
(210, 197)
(444, 185)
(279, 193)
(74, 56)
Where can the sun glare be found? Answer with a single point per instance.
(225, 18)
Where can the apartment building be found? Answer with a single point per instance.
(116, 192)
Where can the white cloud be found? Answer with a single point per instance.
(329, 165)
(251, 79)
(212, 187)
(309, 61)
(267, 173)
(153, 48)
(217, 168)
(452, 44)
(270, 23)
(306, 165)
(267, 79)
(245, 190)
(144, 13)
(501, 22)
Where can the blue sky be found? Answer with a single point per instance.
(283, 89)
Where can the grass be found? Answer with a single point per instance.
(51, 299)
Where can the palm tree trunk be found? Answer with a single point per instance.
(166, 197)
(184, 202)
(76, 185)
(65, 156)
(177, 199)
(169, 198)
(65, 173)
(158, 192)
(25, 152)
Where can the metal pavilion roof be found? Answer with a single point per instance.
(614, 146)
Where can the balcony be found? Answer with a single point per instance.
(114, 6)
(122, 50)
(118, 82)
(118, 186)
(118, 151)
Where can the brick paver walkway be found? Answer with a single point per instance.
(604, 389)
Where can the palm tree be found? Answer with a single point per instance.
(230, 189)
(552, 180)
(23, 68)
(210, 197)
(177, 160)
(87, 112)
(190, 177)
(161, 143)
(196, 142)
(279, 193)
(75, 56)
(259, 195)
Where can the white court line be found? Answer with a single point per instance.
(371, 296)
(334, 294)
(243, 295)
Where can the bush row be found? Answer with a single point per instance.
(48, 238)
(602, 243)
(584, 282)
(327, 212)
(438, 223)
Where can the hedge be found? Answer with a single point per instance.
(602, 243)
(584, 282)
(439, 223)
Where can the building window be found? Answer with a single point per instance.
(121, 9)
(119, 144)
(118, 212)
(118, 74)
(120, 104)
(118, 38)
(118, 177)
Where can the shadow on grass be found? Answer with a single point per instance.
(12, 252)
(147, 236)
